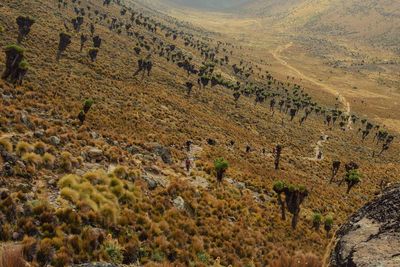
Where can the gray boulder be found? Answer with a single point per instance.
(371, 237)
(54, 140)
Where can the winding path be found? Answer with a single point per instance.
(277, 55)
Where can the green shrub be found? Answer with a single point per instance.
(157, 256)
(87, 104)
(317, 219)
(352, 178)
(113, 251)
(23, 65)
(16, 48)
(203, 257)
(220, 165)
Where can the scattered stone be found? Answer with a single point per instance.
(179, 203)
(52, 182)
(94, 135)
(152, 169)
(38, 133)
(162, 152)
(25, 120)
(54, 140)
(95, 153)
(238, 185)
(133, 149)
(151, 183)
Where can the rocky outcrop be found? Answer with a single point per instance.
(371, 237)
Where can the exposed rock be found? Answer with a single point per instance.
(163, 152)
(52, 182)
(94, 135)
(38, 133)
(238, 185)
(371, 237)
(25, 120)
(133, 149)
(179, 203)
(95, 153)
(199, 181)
(152, 169)
(54, 140)
(153, 181)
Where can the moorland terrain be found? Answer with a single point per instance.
(147, 134)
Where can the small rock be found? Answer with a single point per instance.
(25, 120)
(94, 135)
(152, 169)
(133, 149)
(16, 236)
(54, 140)
(95, 153)
(38, 133)
(151, 183)
(164, 153)
(238, 185)
(52, 182)
(179, 203)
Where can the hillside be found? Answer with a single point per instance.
(208, 4)
(376, 22)
(93, 148)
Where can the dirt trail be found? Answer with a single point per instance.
(277, 55)
(319, 155)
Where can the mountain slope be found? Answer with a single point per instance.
(107, 181)
(375, 21)
(208, 4)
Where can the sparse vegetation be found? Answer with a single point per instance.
(221, 166)
(64, 42)
(294, 196)
(58, 201)
(353, 177)
(24, 27)
(16, 65)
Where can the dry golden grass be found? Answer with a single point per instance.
(12, 256)
(225, 221)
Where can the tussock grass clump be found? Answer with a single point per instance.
(6, 145)
(67, 161)
(32, 159)
(70, 194)
(101, 193)
(120, 172)
(48, 160)
(22, 148)
(39, 148)
(112, 251)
